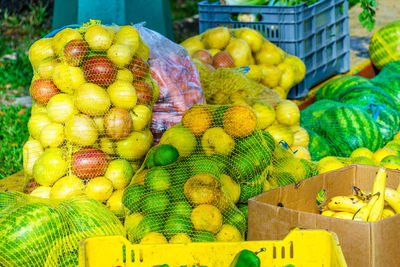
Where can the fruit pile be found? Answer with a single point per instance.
(215, 158)
(379, 204)
(89, 128)
(244, 47)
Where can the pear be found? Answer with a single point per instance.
(216, 38)
(252, 37)
(269, 54)
(240, 52)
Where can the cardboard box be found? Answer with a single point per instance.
(363, 243)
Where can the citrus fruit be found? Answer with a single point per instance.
(330, 166)
(393, 146)
(181, 208)
(230, 188)
(155, 203)
(202, 189)
(49, 167)
(217, 141)
(181, 138)
(41, 191)
(157, 179)
(145, 225)
(235, 217)
(176, 192)
(301, 152)
(98, 38)
(135, 146)
(228, 233)
(131, 223)
(99, 188)
(203, 236)
(154, 238)
(61, 107)
(119, 172)
(165, 154)
(364, 160)
(239, 121)
(128, 36)
(67, 187)
(300, 136)
(177, 224)
(287, 113)
(244, 208)
(218, 115)
(114, 203)
(198, 119)
(259, 144)
(390, 159)
(251, 188)
(265, 114)
(361, 152)
(205, 165)
(281, 133)
(180, 239)
(52, 135)
(139, 177)
(326, 160)
(207, 218)
(133, 197)
(382, 153)
(149, 161)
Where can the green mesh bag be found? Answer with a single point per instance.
(39, 232)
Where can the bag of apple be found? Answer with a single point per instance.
(92, 106)
(177, 77)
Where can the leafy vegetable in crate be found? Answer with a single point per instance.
(93, 96)
(267, 64)
(191, 181)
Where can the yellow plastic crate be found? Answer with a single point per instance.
(305, 248)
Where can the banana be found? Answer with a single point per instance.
(363, 213)
(392, 197)
(378, 186)
(344, 215)
(361, 194)
(329, 213)
(345, 203)
(387, 212)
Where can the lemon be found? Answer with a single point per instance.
(154, 238)
(382, 153)
(119, 172)
(229, 233)
(120, 55)
(41, 191)
(114, 203)
(391, 166)
(302, 152)
(52, 135)
(362, 152)
(326, 160)
(265, 114)
(128, 36)
(99, 188)
(180, 239)
(206, 217)
(287, 113)
(330, 166)
(67, 187)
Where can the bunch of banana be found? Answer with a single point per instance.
(381, 203)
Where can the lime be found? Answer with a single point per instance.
(180, 239)
(251, 188)
(155, 203)
(154, 238)
(365, 160)
(218, 114)
(147, 225)
(157, 179)
(176, 193)
(180, 173)
(242, 167)
(206, 166)
(229, 233)
(244, 208)
(391, 159)
(181, 208)
(150, 159)
(284, 178)
(165, 154)
(235, 217)
(203, 236)
(177, 224)
(133, 197)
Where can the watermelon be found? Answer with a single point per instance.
(28, 233)
(331, 89)
(388, 122)
(318, 146)
(347, 128)
(309, 116)
(388, 79)
(383, 47)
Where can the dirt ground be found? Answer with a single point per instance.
(387, 11)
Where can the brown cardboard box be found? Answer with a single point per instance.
(363, 243)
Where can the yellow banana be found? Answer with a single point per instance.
(361, 194)
(387, 212)
(363, 213)
(344, 215)
(392, 197)
(345, 203)
(378, 186)
(329, 213)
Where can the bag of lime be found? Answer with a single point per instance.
(189, 184)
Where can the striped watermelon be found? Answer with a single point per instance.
(309, 116)
(388, 79)
(333, 88)
(28, 232)
(388, 122)
(383, 47)
(347, 128)
(318, 146)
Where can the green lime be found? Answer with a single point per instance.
(393, 146)
(284, 178)
(364, 160)
(244, 208)
(150, 163)
(251, 188)
(235, 217)
(180, 173)
(176, 193)
(133, 197)
(390, 160)
(181, 208)
(147, 225)
(177, 224)
(242, 167)
(218, 114)
(260, 144)
(203, 236)
(206, 165)
(155, 203)
(157, 179)
(165, 154)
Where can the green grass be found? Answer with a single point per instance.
(13, 135)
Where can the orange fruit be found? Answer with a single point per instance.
(198, 119)
(239, 121)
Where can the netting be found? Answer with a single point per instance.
(190, 182)
(40, 232)
(92, 106)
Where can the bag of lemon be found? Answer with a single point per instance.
(190, 183)
(92, 106)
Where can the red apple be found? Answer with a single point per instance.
(89, 162)
(204, 56)
(43, 90)
(118, 123)
(75, 51)
(139, 68)
(144, 92)
(99, 70)
(223, 60)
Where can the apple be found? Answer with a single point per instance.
(223, 60)
(42, 90)
(118, 123)
(144, 92)
(75, 51)
(139, 68)
(89, 162)
(99, 70)
(203, 55)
